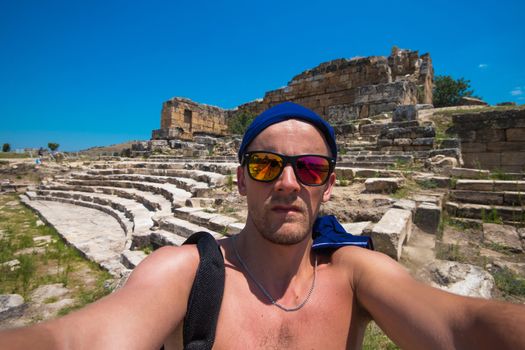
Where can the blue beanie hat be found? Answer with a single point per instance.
(282, 112)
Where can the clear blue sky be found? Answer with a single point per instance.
(87, 73)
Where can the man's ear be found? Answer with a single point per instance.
(329, 186)
(241, 180)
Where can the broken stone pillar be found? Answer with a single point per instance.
(391, 231)
(383, 184)
(428, 216)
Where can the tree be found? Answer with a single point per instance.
(6, 147)
(449, 91)
(53, 146)
(238, 123)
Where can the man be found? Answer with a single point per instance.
(279, 292)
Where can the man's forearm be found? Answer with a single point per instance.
(40, 336)
(492, 325)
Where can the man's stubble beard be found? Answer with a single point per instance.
(301, 227)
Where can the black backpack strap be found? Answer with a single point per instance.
(205, 299)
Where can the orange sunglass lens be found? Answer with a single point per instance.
(265, 166)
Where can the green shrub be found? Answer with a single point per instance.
(238, 122)
(449, 252)
(375, 339)
(449, 91)
(229, 182)
(492, 217)
(508, 282)
(499, 174)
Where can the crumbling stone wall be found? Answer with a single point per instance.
(493, 140)
(182, 118)
(341, 90)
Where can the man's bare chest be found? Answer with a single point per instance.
(248, 320)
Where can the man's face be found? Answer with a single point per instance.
(283, 211)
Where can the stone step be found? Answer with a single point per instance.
(372, 147)
(135, 165)
(508, 198)
(212, 179)
(198, 189)
(207, 217)
(161, 238)
(226, 168)
(124, 222)
(171, 192)
(430, 181)
(476, 174)
(507, 214)
(417, 155)
(467, 173)
(350, 173)
(490, 185)
(377, 153)
(133, 210)
(95, 235)
(131, 258)
(383, 184)
(182, 159)
(408, 132)
(377, 158)
(378, 128)
(153, 202)
(370, 165)
(183, 228)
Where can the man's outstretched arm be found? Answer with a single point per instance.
(417, 316)
(138, 316)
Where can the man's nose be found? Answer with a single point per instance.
(287, 181)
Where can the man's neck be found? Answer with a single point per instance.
(276, 266)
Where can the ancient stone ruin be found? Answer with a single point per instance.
(342, 90)
(493, 140)
(182, 119)
(439, 201)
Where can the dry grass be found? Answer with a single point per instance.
(42, 263)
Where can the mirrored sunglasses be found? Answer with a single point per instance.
(309, 169)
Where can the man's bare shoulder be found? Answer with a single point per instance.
(167, 265)
(365, 265)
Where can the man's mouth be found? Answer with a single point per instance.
(286, 209)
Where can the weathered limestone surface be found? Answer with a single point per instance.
(493, 140)
(357, 228)
(462, 279)
(131, 258)
(428, 216)
(383, 185)
(406, 204)
(40, 299)
(468, 173)
(391, 231)
(182, 118)
(11, 305)
(96, 235)
(505, 236)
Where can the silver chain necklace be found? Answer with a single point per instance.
(265, 292)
